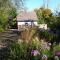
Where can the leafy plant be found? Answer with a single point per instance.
(18, 51)
(56, 48)
(23, 50)
(46, 52)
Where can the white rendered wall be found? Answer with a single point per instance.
(44, 26)
(23, 23)
(29, 23)
(36, 23)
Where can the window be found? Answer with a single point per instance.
(26, 24)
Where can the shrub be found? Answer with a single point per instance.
(35, 43)
(1, 29)
(18, 51)
(22, 51)
(46, 52)
(56, 48)
(44, 34)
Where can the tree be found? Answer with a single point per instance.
(8, 8)
(44, 16)
(39, 15)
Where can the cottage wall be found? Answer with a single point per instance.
(36, 23)
(29, 23)
(22, 24)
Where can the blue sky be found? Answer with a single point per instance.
(32, 4)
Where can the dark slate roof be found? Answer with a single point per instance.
(27, 16)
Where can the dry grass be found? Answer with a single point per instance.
(28, 34)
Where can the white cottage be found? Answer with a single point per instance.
(26, 19)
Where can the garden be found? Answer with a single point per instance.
(34, 43)
(33, 51)
(37, 47)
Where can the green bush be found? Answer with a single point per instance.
(56, 48)
(1, 29)
(45, 34)
(46, 52)
(18, 51)
(22, 51)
